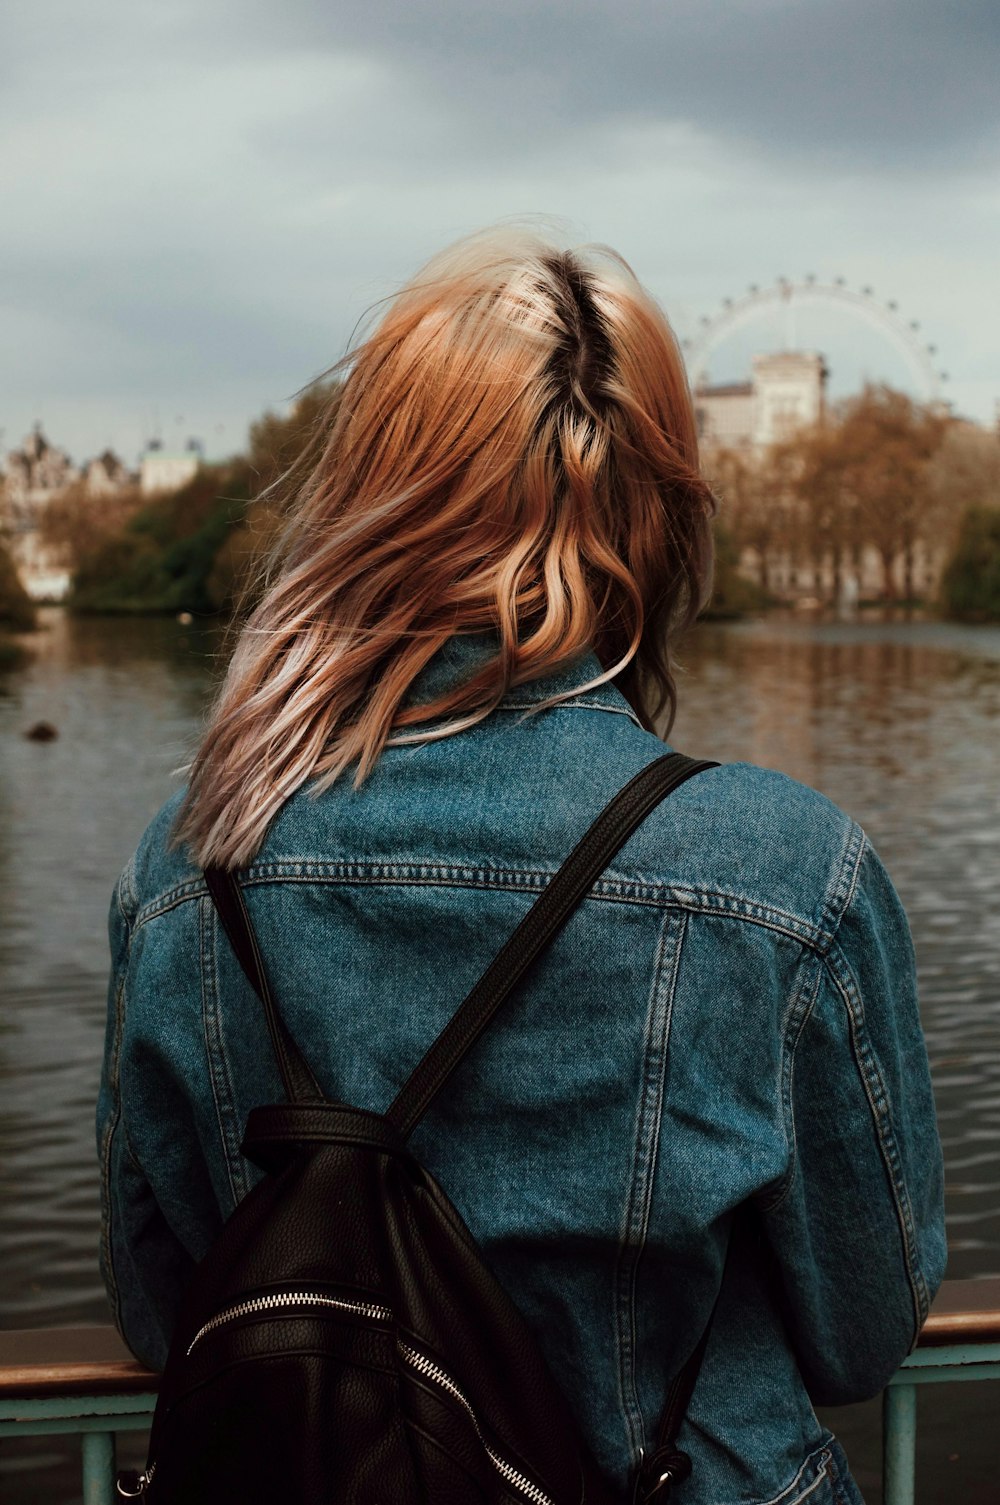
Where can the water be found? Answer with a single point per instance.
(895, 722)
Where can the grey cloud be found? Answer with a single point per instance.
(872, 82)
(199, 198)
(855, 81)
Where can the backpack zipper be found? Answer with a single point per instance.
(426, 1367)
(137, 1484)
(418, 1361)
(290, 1298)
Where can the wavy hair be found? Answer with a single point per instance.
(512, 448)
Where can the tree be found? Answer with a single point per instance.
(964, 473)
(279, 443)
(76, 521)
(883, 442)
(17, 610)
(161, 560)
(827, 511)
(733, 595)
(196, 549)
(970, 585)
(753, 515)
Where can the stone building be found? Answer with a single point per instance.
(35, 475)
(162, 471)
(787, 391)
(107, 474)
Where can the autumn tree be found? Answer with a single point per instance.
(964, 473)
(283, 443)
(827, 516)
(752, 514)
(78, 520)
(281, 452)
(17, 610)
(881, 445)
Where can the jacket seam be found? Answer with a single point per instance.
(570, 705)
(800, 1010)
(115, 1119)
(219, 1076)
(838, 902)
(881, 1111)
(107, 1150)
(638, 1203)
(796, 1018)
(127, 881)
(819, 1458)
(515, 880)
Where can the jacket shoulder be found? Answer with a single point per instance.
(756, 842)
(159, 868)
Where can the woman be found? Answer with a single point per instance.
(459, 655)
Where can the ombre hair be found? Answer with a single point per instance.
(512, 449)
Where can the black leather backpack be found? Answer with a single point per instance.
(343, 1341)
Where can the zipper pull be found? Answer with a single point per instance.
(131, 1485)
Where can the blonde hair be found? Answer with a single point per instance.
(513, 448)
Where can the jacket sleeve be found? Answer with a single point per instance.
(857, 1227)
(144, 1265)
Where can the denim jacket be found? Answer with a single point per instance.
(721, 1050)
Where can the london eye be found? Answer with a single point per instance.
(786, 298)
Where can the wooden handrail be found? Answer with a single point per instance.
(70, 1361)
(964, 1311)
(94, 1360)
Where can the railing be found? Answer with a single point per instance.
(83, 1381)
(80, 1380)
(960, 1341)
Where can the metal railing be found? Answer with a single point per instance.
(960, 1341)
(84, 1382)
(78, 1380)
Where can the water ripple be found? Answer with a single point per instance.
(897, 724)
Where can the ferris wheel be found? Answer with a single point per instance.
(787, 298)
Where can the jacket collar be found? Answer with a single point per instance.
(458, 659)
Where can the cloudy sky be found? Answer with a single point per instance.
(199, 198)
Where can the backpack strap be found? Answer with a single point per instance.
(550, 911)
(296, 1074)
(667, 1465)
(544, 919)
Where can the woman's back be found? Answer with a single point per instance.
(722, 1046)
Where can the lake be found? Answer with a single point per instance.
(897, 722)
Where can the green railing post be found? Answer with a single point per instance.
(98, 1468)
(899, 1444)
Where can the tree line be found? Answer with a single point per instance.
(881, 476)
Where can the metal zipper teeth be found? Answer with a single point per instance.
(291, 1298)
(418, 1361)
(507, 1471)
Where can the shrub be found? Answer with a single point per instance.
(17, 610)
(733, 595)
(163, 559)
(970, 584)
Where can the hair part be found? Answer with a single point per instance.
(513, 448)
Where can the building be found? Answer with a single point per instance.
(107, 474)
(35, 475)
(725, 416)
(787, 391)
(161, 470)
